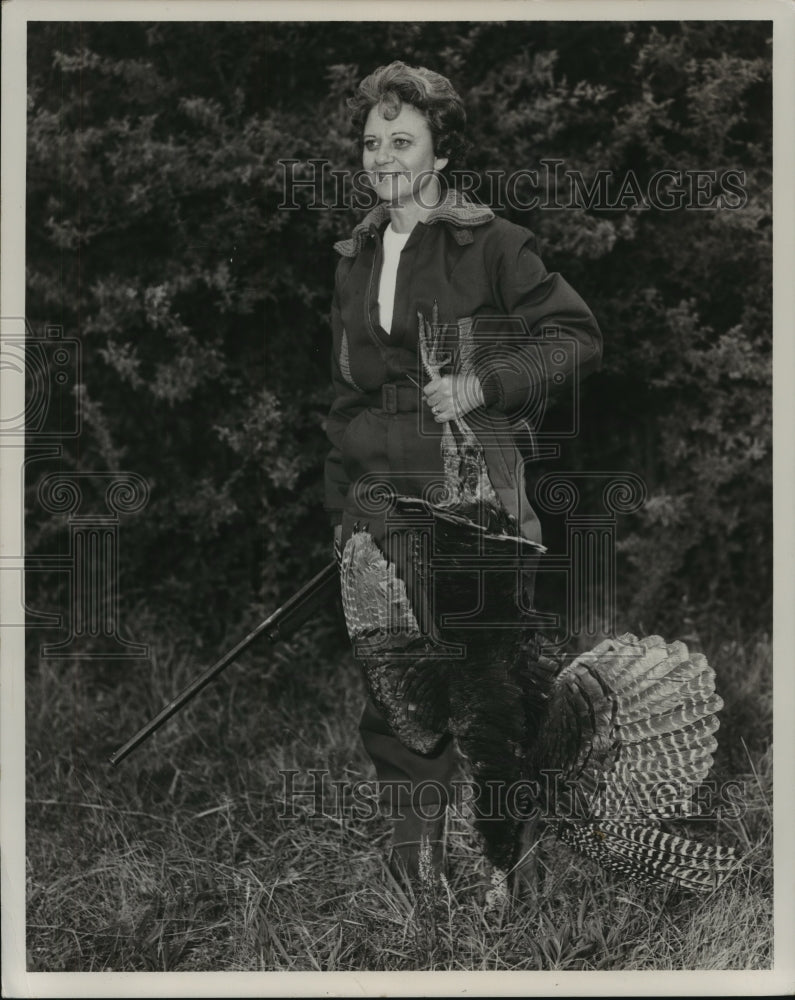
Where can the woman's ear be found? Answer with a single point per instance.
(440, 162)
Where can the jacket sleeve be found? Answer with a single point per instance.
(336, 481)
(546, 335)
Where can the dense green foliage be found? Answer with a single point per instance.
(155, 237)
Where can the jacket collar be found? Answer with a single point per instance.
(455, 209)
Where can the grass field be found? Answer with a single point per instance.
(178, 859)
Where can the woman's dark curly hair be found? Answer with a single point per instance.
(431, 93)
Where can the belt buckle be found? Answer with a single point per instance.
(389, 400)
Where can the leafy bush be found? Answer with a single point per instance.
(155, 236)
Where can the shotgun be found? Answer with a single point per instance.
(280, 625)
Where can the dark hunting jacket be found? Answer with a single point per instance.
(475, 268)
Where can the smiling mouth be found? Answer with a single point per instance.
(382, 175)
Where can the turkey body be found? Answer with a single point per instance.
(442, 661)
(605, 747)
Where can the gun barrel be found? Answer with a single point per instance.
(290, 616)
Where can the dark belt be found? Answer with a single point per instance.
(394, 397)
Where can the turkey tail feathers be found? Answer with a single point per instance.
(662, 712)
(630, 728)
(649, 856)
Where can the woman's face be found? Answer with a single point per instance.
(398, 156)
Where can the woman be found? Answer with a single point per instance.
(426, 255)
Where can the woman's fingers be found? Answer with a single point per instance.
(439, 396)
(452, 395)
(434, 389)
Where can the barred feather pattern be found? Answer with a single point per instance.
(628, 730)
(388, 642)
(649, 856)
(636, 718)
(345, 363)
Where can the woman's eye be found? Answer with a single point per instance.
(401, 143)
(370, 144)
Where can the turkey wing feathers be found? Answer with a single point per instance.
(649, 709)
(648, 855)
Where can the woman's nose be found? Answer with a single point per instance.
(383, 156)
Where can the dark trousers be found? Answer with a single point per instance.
(408, 780)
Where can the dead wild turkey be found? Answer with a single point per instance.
(604, 747)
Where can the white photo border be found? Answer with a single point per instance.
(16, 981)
